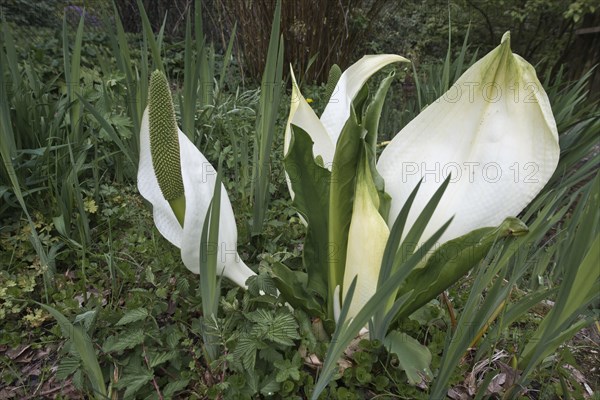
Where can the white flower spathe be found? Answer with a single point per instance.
(199, 179)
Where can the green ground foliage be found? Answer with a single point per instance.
(94, 303)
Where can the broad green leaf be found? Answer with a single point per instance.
(346, 330)
(413, 357)
(310, 183)
(293, 288)
(452, 261)
(341, 196)
(373, 112)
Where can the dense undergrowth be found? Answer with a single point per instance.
(76, 236)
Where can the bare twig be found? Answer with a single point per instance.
(160, 396)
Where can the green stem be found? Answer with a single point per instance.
(178, 207)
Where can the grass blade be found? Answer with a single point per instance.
(149, 37)
(85, 350)
(265, 125)
(209, 284)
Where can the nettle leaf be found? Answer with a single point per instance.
(252, 383)
(161, 358)
(245, 350)
(269, 386)
(288, 369)
(173, 337)
(279, 328)
(124, 341)
(270, 355)
(413, 357)
(183, 285)
(134, 382)
(77, 379)
(173, 387)
(87, 318)
(67, 366)
(283, 330)
(137, 314)
(260, 316)
(262, 284)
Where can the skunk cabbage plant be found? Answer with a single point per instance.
(179, 182)
(493, 131)
(491, 140)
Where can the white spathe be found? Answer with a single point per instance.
(368, 231)
(325, 131)
(367, 238)
(199, 179)
(493, 131)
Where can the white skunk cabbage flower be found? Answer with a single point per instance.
(179, 183)
(493, 131)
(326, 130)
(367, 238)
